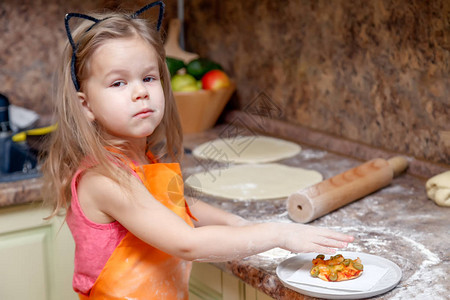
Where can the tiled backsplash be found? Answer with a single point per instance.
(376, 72)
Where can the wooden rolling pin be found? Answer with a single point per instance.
(315, 201)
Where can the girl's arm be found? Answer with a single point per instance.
(210, 215)
(139, 212)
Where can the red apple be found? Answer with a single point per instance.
(214, 80)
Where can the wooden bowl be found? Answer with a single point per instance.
(200, 110)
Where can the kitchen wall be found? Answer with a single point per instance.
(32, 37)
(376, 72)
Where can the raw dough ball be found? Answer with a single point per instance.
(438, 188)
(253, 181)
(247, 149)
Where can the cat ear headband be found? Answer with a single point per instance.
(82, 16)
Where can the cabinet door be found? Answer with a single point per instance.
(25, 272)
(253, 294)
(205, 282)
(63, 257)
(210, 283)
(36, 256)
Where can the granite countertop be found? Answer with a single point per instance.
(20, 192)
(397, 222)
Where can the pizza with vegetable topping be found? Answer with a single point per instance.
(337, 268)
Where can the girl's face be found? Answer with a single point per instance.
(123, 91)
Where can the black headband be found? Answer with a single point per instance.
(82, 16)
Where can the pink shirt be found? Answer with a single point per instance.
(94, 242)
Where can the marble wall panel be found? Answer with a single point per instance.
(32, 37)
(374, 71)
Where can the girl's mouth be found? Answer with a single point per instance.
(144, 113)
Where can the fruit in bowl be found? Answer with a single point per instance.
(184, 83)
(174, 65)
(214, 80)
(202, 95)
(200, 73)
(200, 66)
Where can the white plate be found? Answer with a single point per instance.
(286, 268)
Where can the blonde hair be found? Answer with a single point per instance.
(77, 139)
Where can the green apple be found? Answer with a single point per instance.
(189, 88)
(184, 83)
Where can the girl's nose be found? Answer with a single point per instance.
(140, 92)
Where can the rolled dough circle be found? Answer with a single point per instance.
(247, 149)
(253, 181)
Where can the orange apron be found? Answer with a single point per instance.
(137, 270)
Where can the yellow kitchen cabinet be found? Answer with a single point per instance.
(253, 294)
(36, 256)
(210, 283)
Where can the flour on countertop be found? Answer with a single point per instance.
(423, 274)
(397, 189)
(312, 154)
(277, 253)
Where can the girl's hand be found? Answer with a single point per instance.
(305, 238)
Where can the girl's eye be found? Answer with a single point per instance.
(118, 84)
(149, 79)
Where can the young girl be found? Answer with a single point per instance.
(107, 168)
